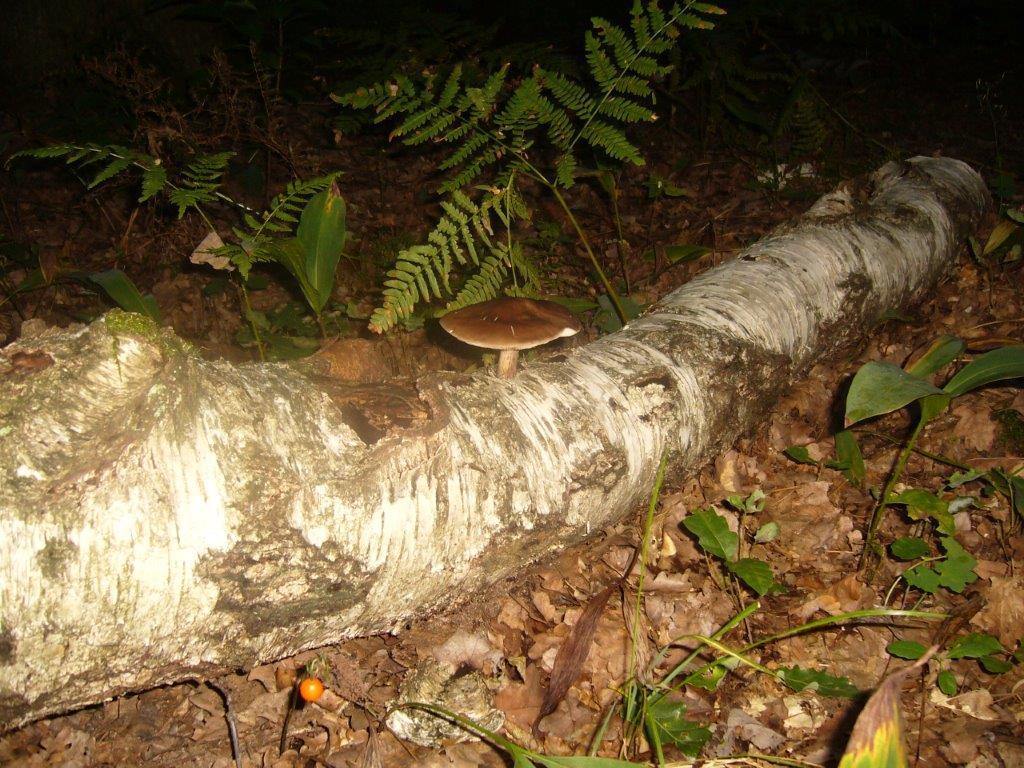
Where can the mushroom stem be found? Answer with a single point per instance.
(507, 359)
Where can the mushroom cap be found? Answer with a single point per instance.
(511, 323)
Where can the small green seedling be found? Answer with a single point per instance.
(979, 646)
(879, 388)
(715, 538)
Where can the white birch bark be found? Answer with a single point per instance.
(163, 516)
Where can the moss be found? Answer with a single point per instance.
(120, 323)
(1011, 430)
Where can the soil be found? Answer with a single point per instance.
(512, 637)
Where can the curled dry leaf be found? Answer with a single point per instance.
(572, 655)
(204, 253)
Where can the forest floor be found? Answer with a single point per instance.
(512, 638)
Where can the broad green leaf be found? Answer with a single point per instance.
(849, 456)
(994, 665)
(973, 646)
(820, 682)
(997, 365)
(712, 532)
(322, 234)
(607, 319)
(290, 254)
(679, 254)
(923, 504)
(710, 678)
(943, 351)
(946, 681)
(960, 478)
(666, 723)
(922, 577)
(957, 570)
(122, 290)
(800, 454)
(933, 405)
(905, 649)
(909, 548)
(880, 388)
(756, 574)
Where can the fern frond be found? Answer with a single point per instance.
(568, 93)
(493, 126)
(199, 182)
(612, 140)
(484, 284)
(118, 159)
(425, 270)
(625, 110)
(282, 215)
(154, 180)
(565, 170)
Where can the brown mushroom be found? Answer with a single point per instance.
(509, 325)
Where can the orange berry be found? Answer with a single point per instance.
(311, 689)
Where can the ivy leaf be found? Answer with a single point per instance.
(922, 504)
(922, 577)
(946, 681)
(820, 682)
(905, 649)
(957, 570)
(800, 455)
(666, 724)
(712, 532)
(909, 548)
(974, 646)
(756, 574)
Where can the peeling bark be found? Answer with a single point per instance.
(163, 516)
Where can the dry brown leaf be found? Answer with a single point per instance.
(976, 703)
(1003, 614)
(268, 706)
(512, 615)
(266, 675)
(975, 426)
(521, 701)
(473, 650)
(204, 253)
(542, 602)
(573, 653)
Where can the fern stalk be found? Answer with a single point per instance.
(605, 282)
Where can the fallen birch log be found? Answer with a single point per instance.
(164, 516)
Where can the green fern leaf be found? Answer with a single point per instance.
(565, 170)
(613, 141)
(112, 169)
(154, 180)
